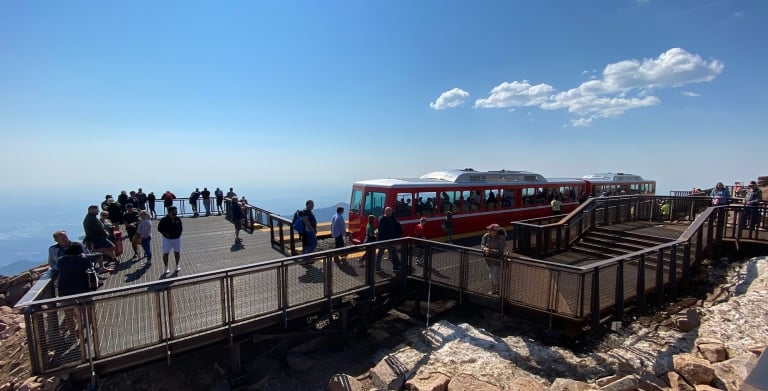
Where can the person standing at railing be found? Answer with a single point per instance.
(141, 200)
(310, 228)
(206, 194)
(752, 200)
(151, 201)
(720, 195)
(237, 218)
(219, 200)
(170, 227)
(556, 206)
(193, 197)
(167, 198)
(339, 230)
(493, 244)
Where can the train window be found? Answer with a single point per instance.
(529, 193)
(568, 194)
(491, 199)
(507, 197)
(541, 196)
(425, 202)
(449, 201)
(374, 203)
(464, 200)
(473, 199)
(403, 205)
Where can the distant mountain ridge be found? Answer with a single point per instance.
(324, 215)
(17, 267)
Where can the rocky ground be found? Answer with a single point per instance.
(710, 340)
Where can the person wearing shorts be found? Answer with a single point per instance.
(170, 227)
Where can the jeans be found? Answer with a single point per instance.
(392, 256)
(147, 248)
(311, 244)
(751, 216)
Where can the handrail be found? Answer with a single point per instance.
(575, 292)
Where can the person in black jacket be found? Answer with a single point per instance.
(389, 228)
(170, 227)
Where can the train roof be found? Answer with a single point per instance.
(467, 176)
(612, 177)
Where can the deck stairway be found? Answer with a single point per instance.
(601, 243)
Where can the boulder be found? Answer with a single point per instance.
(711, 349)
(730, 374)
(344, 382)
(677, 383)
(689, 321)
(526, 383)
(561, 384)
(694, 370)
(626, 383)
(389, 373)
(465, 381)
(433, 381)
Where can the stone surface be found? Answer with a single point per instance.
(344, 382)
(712, 350)
(467, 382)
(677, 382)
(562, 384)
(526, 383)
(693, 369)
(626, 383)
(389, 373)
(434, 381)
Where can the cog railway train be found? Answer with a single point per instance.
(469, 200)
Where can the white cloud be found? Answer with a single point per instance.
(450, 99)
(624, 85)
(689, 93)
(516, 94)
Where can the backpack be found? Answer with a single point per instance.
(298, 222)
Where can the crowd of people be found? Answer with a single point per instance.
(74, 265)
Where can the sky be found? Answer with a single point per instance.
(101, 96)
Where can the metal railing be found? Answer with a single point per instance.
(152, 320)
(157, 318)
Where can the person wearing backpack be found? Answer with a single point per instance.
(309, 238)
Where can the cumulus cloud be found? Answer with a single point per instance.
(450, 99)
(622, 86)
(516, 94)
(689, 93)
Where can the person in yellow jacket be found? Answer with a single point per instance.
(556, 206)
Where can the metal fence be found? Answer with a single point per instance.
(152, 320)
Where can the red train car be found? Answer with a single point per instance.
(474, 199)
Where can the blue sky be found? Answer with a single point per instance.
(117, 95)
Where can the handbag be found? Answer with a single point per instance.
(93, 278)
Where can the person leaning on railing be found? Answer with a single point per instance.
(751, 203)
(720, 195)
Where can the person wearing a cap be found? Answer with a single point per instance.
(492, 244)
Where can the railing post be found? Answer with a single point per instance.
(640, 290)
(595, 302)
(660, 278)
(619, 313)
(685, 266)
(673, 270)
